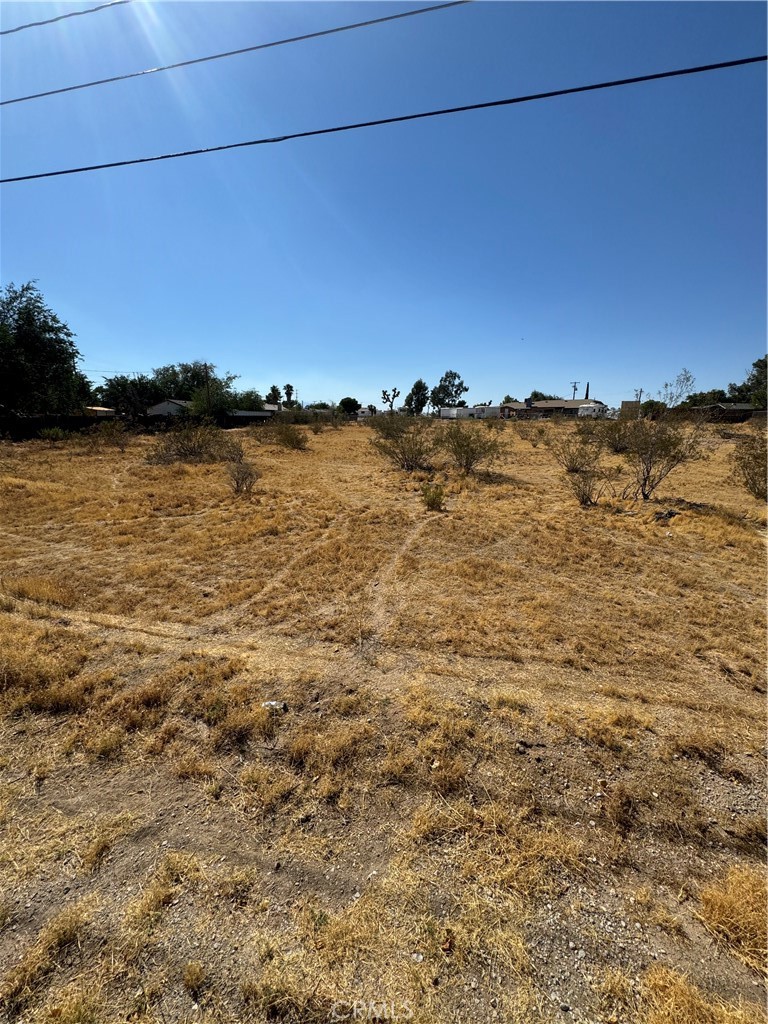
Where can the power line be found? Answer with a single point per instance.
(61, 17)
(393, 120)
(235, 53)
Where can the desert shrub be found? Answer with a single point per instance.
(242, 477)
(467, 446)
(579, 456)
(195, 442)
(390, 426)
(655, 448)
(108, 433)
(53, 434)
(572, 453)
(411, 449)
(316, 427)
(589, 484)
(433, 496)
(284, 434)
(533, 432)
(613, 434)
(750, 463)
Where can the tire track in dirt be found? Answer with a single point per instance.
(262, 648)
(380, 617)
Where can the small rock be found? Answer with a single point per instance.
(275, 707)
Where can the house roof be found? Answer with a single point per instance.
(738, 406)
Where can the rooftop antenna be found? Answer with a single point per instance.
(574, 385)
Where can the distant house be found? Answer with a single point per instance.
(100, 411)
(169, 407)
(243, 417)
(551, 407)
(455, 412)
(727, 412)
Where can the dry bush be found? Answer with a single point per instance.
(572, 453)
(242, 477)
(53, 435)
(283, 433)
(468, 447)
(734, 909)
(578, 455)
(589, 485)
(534, 433)
(195, 442)
(433, 496)
(195, 979)
(612, 434)
(655, 448)
(622, 808)
(111, 433)
(412, 447)
(389, 426)
(750, 463)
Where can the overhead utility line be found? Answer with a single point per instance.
(395, 120)
(61, 17)
(235, 53)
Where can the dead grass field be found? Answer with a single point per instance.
(520, 777)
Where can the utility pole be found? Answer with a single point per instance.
(574, 385)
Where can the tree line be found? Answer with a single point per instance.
(39, 375)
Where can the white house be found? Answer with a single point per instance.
(455, 412)
(169, 407)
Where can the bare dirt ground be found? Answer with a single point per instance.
(520, 776)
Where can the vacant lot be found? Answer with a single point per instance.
(520, 776)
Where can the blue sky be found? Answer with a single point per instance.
(612, 237)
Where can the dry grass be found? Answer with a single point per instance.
(735, 910)
(510, 725)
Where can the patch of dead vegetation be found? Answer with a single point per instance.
(512, 725)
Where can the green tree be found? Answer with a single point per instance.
(507, 399)
(182, 380)
(539, 396)
(349, 406)
(417, 398)
(214, 397)
(705, 398)
(753, 389)
(38, 358)
(250, 400)
(130, 396)
(449, 391)
(274, 395)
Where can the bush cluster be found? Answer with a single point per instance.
(283, 433)
(411, 445)
(195, 442)
(433, 496)
(242, 477)
(467, 446)
(750, 463)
